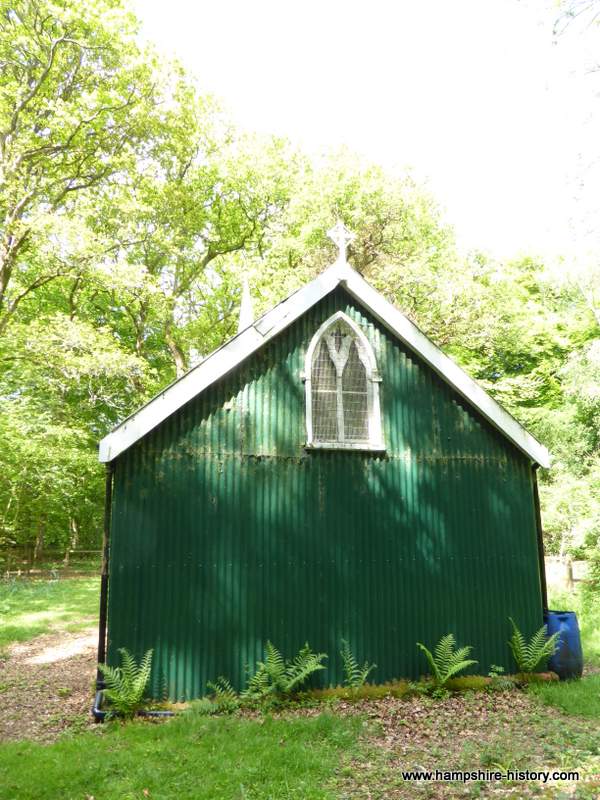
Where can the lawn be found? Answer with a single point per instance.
(29, 608)
(189, 757)
(338, 749)
(349, 751)
(578, 698)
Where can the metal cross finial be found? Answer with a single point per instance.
(341, 236)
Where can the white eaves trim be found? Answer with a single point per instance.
(447, 369)
(223, 360)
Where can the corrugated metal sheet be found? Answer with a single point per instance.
(226, 532)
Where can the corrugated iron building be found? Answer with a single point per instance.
(228, 531)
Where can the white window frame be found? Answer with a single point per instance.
(367, 357)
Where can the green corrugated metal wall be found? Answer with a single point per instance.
(226, 532)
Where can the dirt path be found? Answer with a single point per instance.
(46, 686)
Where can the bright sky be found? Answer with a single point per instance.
(477, 98)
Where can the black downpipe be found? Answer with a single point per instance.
(104, 575)
(540, 539)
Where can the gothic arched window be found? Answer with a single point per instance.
(342, 388)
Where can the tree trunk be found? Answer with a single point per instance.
(175, 351)
(569, 582)
(72, 297)
(39, 540)
(73, 540)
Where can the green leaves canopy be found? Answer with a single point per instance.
(130, 208)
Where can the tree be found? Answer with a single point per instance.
(587, 11)
(130, 211)
(401, 244)
(78, 98)
(64, 383)
(203, 198)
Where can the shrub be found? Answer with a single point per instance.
(125, 685)
(529, 654)
(278, 677)
(354, 674)
(446, 661)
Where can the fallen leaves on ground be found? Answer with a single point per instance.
(46, 686)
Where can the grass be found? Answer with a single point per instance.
(590, 634)
(189, 757)
(296, 755)
(578, 698)
(29, 608)
(588, 616)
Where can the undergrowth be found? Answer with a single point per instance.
(126, 685)
(587, 607)
(530, 654)
(355, 674)
(579, 698)
(277, 677)
(446, 661)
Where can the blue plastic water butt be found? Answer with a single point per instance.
(567, 661)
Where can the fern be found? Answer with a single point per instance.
(277, 677)
(204, 707)
(529, 654)
(299, 670)
(125, 685)
(355, 675)
(259, 684)
(275, 667)
(446, 661)
(225, 697)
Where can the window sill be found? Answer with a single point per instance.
(361, 446)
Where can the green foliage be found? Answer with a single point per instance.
(130, 208)
(585, 601)
(224, 697)
(446, 661)
(277, 677)
(65, 380)
(403, 689)
(368, 691)
(581, 698)
(203, 758)
(355, 675)
(499, 682)
(126, 685)
(419, 688)
(79, 102)
(204, 707)
(471, 683)
(530, 654)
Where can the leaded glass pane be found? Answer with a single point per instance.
(354, 398)
(324, 396)
(339, 389)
